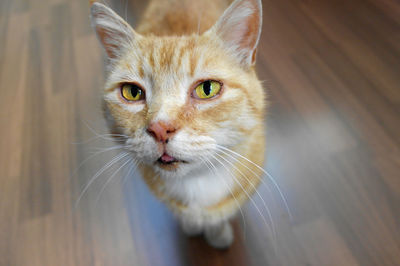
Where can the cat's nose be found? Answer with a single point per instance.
(161, 131)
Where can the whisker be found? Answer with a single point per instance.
(255, 174)
(131, 169)
(206, 161)
(105, 167)
(109, 179)
(96, 149)
(102, 136)
(247, 194)
(259, 195)
(93, 155)
(265, 172)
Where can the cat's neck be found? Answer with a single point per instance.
(180, 17)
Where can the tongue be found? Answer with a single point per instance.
(166, 158)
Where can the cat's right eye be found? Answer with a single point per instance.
(132, 92)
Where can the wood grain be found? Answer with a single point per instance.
(332, 69)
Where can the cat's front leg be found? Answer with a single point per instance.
(190, 228)
(219, 236)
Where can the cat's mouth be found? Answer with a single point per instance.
(167, 162)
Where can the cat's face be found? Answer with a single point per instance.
(178, 98)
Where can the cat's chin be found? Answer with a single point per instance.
(178, 169)
(171, 166)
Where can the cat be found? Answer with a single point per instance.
(183, 90)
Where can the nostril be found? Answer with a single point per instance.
(151, 133)
(161, 131)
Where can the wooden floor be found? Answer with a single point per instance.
(332, 68)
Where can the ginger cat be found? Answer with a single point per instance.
(182, 91)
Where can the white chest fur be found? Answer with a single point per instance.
(201, 188)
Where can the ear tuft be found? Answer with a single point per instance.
(112, 31)
(239, 28)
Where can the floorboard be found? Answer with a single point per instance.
(332, 70)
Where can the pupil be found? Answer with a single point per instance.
(207, 87)
(134, 91)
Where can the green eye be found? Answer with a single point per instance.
(207, 89)
(132, 92)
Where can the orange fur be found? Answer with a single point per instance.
(171, 45)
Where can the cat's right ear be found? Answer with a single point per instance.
(113, 32)
(239, 28)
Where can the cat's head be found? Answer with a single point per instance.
(178, 97)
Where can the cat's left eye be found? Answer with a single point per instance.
(207, 89)
(132, 92)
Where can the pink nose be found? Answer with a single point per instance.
(161, 131)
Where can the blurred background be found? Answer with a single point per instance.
(332, 70)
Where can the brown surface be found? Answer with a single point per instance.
(333, 72)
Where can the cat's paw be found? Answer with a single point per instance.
(191, 229)
(220, 236)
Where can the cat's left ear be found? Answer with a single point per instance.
(113, 32)
(239, 28)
